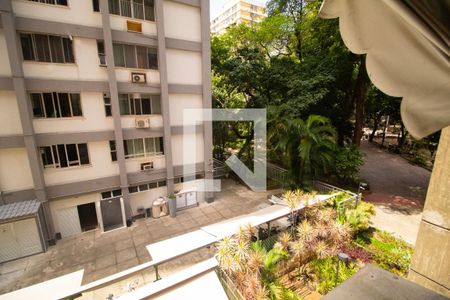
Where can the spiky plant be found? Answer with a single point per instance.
(255, 261)
(284, 239)
(305, 231)
(262, 294)
(322, 250)
(292, 200)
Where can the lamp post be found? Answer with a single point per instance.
(361, 187)
(344, 258)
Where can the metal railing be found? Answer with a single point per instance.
(277, 173)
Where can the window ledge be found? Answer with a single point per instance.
(46, 4)
(49, 63)
(60, 119)
(56, 170)
(143, 158)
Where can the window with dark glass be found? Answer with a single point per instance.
(64, 155)
(101, 53)
(95, 5)
(111, 194)
(145, 105)
(56, 105)
(132, 56)
(46, 48)
(112, 147)
(54, 2)
(107, 101)
(137, 9)
(146, 186)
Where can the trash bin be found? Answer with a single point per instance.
(159, 208)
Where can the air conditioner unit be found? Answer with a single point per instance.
(138, 78)
(147, 166)
(134, 26)
(142, 122)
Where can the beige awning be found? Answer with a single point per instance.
(407, 55)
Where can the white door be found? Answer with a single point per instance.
(181, 200)
(191, 198)
(68, 221)
(18, 239)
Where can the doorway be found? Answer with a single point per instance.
(88, 216)
(111, 214)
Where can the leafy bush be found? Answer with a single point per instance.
(348, 161)
(325, 271)
(390, 253)
(359, 218)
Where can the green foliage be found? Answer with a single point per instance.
(308, 146)
(359, 219)
(347, 163)
(325, 270)
(390, 253)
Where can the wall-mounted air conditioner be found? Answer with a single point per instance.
(134, 26)
(147, 166)
(138, 77)
(142, 122)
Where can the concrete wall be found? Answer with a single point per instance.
(190, 144)
(430, 265)
(184, 67)
(9, 114)
(179, 102)
(65, 14)
(5, 69)
(15, 172)
(182, 21)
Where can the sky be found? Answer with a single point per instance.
(216, 5)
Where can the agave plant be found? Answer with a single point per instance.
(284, 239)
(322, 250)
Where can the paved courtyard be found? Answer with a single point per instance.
(398, 190)
(103, 254)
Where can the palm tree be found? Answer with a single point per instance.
(308, 146)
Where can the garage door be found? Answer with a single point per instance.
(69, 221)
(18, 239)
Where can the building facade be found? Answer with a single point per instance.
(236, 12)
(92, 94)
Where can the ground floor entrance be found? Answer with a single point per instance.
(76, 219)
(112, 213)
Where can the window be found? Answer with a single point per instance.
(132, 56)
(63, 156)
(145, 105)
(101, 53)
(138, 9)
(146, 186)
(107, 101)
(56, 105)
(135, 148)
(54, 2)
(46, 48)
(111, 194)
(95, 5)
(112, 146)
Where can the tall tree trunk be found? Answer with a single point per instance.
(359, 95)
(384, 131)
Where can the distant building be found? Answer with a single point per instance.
(236, 12)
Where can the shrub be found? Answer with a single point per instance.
(325, 271)
(347, 163)
(359, 218)
(390, 253)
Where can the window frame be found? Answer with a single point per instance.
(132, 154)
(57, 160)
(56, 104)
(68, 54)
(132, 13)
(123, 46)
(133, 103)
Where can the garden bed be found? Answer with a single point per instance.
(303, 258)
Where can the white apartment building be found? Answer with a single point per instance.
(92, 94)
(236, 12)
